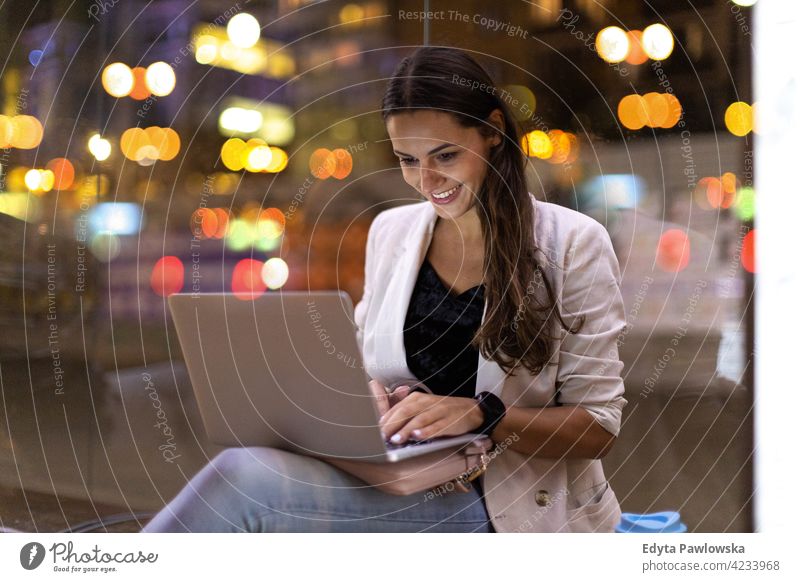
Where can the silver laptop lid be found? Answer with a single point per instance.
(281, 370)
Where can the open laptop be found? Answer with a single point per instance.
(284, 370)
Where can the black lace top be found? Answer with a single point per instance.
(438, 328)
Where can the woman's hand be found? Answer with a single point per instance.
(421, 416)
(386, 400)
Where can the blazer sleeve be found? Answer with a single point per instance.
(360, 310)
(589, 369)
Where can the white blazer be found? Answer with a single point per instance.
(523, 493)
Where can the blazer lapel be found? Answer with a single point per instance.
(389, 347)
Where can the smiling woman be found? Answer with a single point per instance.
(505, 308)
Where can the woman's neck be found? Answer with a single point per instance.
(465, 229)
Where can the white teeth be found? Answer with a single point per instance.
(446, 193)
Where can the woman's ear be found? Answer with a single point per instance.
(496, 119)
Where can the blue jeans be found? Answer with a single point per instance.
(261, 489)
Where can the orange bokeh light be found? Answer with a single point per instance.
(632, 112)
(344, 163)
(140, 90)
(322, 163)
(64, 173)
(636, 54)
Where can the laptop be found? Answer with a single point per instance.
(284, 370)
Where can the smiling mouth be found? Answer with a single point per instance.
(446, 193)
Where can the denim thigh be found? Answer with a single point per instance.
(261, 489)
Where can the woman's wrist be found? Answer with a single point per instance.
(492, 410)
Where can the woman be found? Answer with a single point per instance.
(477, 290)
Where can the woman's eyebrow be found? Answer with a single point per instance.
(430, 153)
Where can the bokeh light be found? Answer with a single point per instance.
(223, 217)
(204, 223)
(344, 163)
(749, 251)
(167, 276)
(632, 111)
(63, 171)
(106, 246)
(612, 44)
(636, 54)
(271, 223)
(538, 145)
(160, 78)
(275, 273)
(657, 42)
(99, 147)
(673, 251)
(280, 160)
(739, 118)
(117, 79)
(231, 154)
(26, 132)
(745, 204)
(322, 163)
(246, 281)
(240, 234)
(244, 30)
(139, 90)
(33, 180)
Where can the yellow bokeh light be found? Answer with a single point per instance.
(206, 49)
(231, 154)
(26, 132)
(657, 42)
(612, 44)
(539, 145)
(48, 180)
(279, 160)
(6, 131)
(118, 79)
(739, 118)
(351, 14)
(160, 79)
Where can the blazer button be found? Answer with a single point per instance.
(542, 497)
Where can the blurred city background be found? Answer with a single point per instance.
(150, 147)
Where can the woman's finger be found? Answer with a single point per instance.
(381, 398)
(398, 394)
(402, 412)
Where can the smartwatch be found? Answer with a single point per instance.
(493, 411)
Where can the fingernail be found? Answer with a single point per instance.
(416, 433)
(396, 438)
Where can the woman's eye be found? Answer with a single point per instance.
(445, 157)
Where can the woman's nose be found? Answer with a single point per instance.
(429, 180)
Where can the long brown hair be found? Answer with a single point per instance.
(520, 323)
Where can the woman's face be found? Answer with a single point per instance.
(440, 159)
